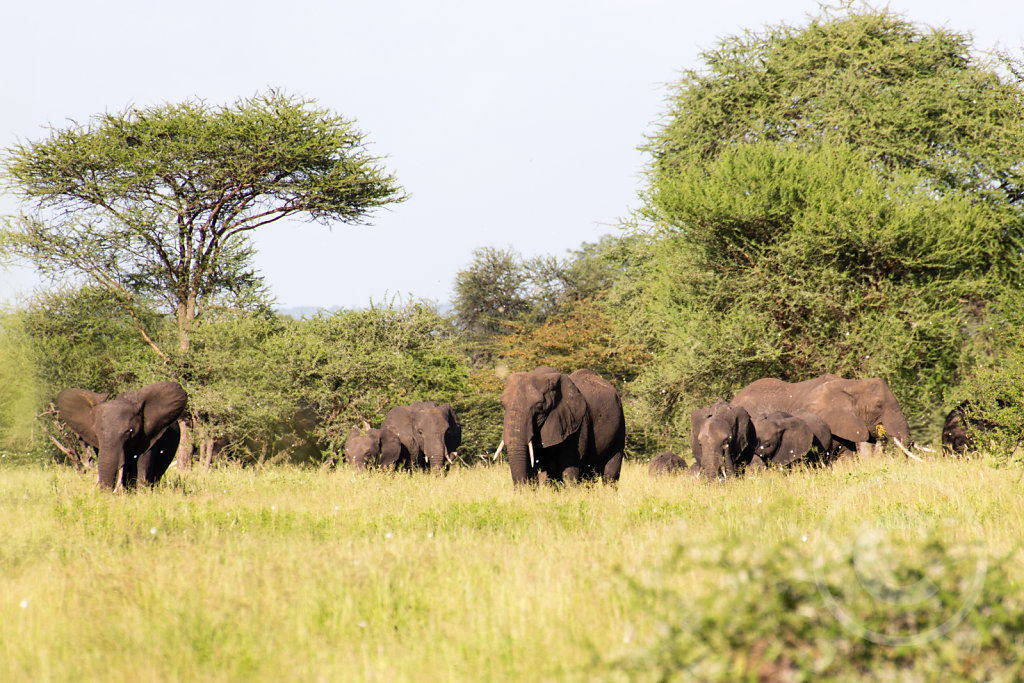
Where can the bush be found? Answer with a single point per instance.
(778, 614)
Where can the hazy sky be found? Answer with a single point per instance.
(509, 123)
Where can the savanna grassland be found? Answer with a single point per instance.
(900, 569)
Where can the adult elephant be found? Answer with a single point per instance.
(362, 448)
(562, 427)
(784, 438)
(423, 435)
(963, 424)
(722, 439)
(855, 410)
(136, 433)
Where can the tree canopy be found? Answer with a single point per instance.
(158, 202)
(840, 197)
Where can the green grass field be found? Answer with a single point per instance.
(888, 567)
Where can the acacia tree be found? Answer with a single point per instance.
(159, 202)
(845, 196)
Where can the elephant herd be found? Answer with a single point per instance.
(771, 422)
(557, 428)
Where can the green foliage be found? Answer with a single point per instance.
(782, 615)
(908, 97)
(83, 338)
(258, 378)
(491, 290)
(69, 338)
(500, 287)
(19, 388)
(517, 314)
(832, 198)
(582, 335)
(995, 388)
(158, 202)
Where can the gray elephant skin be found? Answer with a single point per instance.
(562, 428)
(961, 426)
(421, 435)
(136, 433)
(855, 411)
(722, 439)
(666, 462)
(784, 438)
(362, 448)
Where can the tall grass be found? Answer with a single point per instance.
(289, 574)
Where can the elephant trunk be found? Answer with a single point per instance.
(437, 456)
(110, 465)
(518, 436)
(717, 462)
(896, 425)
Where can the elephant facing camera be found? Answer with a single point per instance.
(136, 434)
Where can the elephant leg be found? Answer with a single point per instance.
(130, 471)
(612, 468)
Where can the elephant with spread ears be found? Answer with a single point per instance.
(421, 435)
(562, 428)
(135, 433)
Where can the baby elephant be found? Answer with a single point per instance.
(362, 448)
(666, 462)
(783, 438)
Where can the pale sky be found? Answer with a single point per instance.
(508, 123)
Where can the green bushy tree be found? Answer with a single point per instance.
(158, 203)
(70, 338)
(840, 197)
(270, 385)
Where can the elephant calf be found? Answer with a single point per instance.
(784, 438)
(666, 462)
(136, 433)
(362, 448)
(423, 435)
(722, 438)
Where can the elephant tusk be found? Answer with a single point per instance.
(904, 449)
(497, 451)
(532, 462)
(450, 457)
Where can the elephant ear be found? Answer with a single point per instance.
(566, 417)
(819, 430)
(162, 404)
(746, 436)
(847, 425)
(453, 437)
(74, 406)
(697, 418)
(797, 439)
(839, 410)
